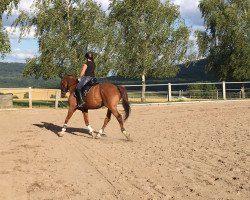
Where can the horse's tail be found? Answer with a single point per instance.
(125, 102)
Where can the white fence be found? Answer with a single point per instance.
(31, 95)
(155, 93)
(190, 91)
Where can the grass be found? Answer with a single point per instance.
(39, 104)
(134, 97)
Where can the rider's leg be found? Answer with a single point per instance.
(85, 81)
(79, 97)
(78, 92)
(79, 89)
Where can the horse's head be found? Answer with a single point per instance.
(64, 86)
(68, 83)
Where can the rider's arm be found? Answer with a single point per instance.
(83, 70)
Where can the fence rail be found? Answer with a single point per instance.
(32, 95)
(154, 93)
(184, 92)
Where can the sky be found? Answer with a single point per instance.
(27, 47)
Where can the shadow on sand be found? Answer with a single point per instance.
(56, 129)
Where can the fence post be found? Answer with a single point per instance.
(224, 90)
(169, 92)
(58, 94)
(242, 91)
(30, 97)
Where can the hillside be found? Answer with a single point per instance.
(11, 76)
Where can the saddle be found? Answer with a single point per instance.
(88, 85)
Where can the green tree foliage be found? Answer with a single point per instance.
(65, 30)
(149, 36)
(226, 40)
(5, 6)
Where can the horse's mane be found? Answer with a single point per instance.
(72, 77)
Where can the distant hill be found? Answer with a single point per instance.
(11, 76)
(195, 72)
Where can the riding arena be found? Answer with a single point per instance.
(177, 151)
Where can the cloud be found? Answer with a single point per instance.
(25, 5)
(18, 55)
(104, 3)
(190, 11)
(14, 33)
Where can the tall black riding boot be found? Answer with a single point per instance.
(80, 101)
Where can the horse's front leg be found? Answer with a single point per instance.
(69, 115)
(86, 120)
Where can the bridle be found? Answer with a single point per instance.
(65, 90)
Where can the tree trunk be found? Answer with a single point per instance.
(68, 11)
(143, 90)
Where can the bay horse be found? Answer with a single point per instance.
(99, 95)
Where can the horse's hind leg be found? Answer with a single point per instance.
(106, 121)
(69, 115)
(120, 120)
(86, 120)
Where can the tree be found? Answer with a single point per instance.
(5, 5)
(150, 38)
(65, 30)
(225, 42)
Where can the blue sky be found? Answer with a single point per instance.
(28, 47)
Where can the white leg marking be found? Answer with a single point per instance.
(61, 134)
(91, 131)
(90, 128)
(99, 134)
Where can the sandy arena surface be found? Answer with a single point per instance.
(179, 151)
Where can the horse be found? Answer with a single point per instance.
(99, 95)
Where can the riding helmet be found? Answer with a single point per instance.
(89, 55)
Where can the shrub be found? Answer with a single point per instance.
(202, 91)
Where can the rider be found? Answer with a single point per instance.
(87, 72)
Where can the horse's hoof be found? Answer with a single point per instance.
(98, 136)
(101, 133)
(127, 135)
(94, 135)
(61, 134)
(129, 139)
